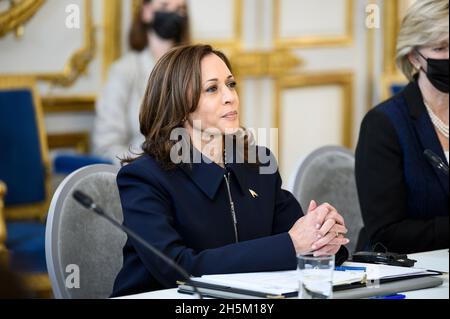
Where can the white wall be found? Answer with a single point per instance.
(47, 44)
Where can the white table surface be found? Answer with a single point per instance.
(433, 260)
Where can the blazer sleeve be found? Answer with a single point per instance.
(147, 210)
(382, 190)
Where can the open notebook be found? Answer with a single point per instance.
(284, 284)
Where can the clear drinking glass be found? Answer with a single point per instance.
(315, 276)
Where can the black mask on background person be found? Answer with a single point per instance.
(437, 73)
(168, 25)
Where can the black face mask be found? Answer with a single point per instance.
(437, 73)
(168, 25)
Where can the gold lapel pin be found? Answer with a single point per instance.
(253, 193)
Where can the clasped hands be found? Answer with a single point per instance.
(320, 232)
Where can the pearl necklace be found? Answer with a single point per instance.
(437, 122)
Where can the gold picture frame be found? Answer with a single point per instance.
(233, 44)
(112, 27)
(393, 11)
(314, 41)
(20, 12)
(80, 59)
(342, 79)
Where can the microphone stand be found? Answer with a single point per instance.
(88, 203)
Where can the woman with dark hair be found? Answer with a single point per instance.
(159, 26)
(198, 199)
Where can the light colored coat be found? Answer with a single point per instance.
(117, 122)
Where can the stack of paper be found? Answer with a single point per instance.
(376, 272)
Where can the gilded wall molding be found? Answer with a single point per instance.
(314, 41)
(393, 12)
(391, 28)
(370, 50)
(79, 141)
(135, 5)
(232, 44)
(112, 31)
(68, 104)
(80, 60)
(343, 79)
(19, 13)
(264, 63)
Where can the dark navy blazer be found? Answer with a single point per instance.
(404, 199)
(186, 214)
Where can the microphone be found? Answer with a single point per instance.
(436, 161)
(89, 203)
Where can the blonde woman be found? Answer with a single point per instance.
(404, 199)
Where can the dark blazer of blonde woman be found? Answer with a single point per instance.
(404, 199)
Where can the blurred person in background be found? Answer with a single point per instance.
(404, 199)
(159, 26)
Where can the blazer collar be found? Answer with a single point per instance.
(424, 127)
(208, 176)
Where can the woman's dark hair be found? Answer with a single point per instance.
(173, 92)
(138, 37)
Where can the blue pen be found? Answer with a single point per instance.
(396, 296)
(344, 268)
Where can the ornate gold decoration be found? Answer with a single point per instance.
(233, 44)
(264, 63)
(78, 141)
(19, 13)
(39, 284)
(66, 104)
(391, 28)
(370, 49)
(80, 60)
(135, 5)
(342, 79)
(314, 41)
(112, 27)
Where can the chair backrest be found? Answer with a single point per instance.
(24, 160)
(80, 246)
(327, 175)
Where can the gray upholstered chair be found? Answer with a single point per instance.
(82, 247)
(327, 175)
